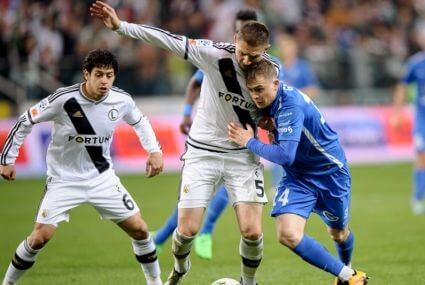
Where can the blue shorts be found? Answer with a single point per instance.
(329, 196)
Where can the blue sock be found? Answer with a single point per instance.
(315, 254)
(167, 229)
(419, 184)
(215, 208)
(345, 249)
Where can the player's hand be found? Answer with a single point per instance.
(154, 164)
(185, 125)
(8, 172)
(267, 123)
(240, 135)
(106, 13)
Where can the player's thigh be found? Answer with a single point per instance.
(190, 220)
(200, 175)
(111, 199)
(58, 199)
(249, 216)
(294, 198)
(333, 205)
(244, 180)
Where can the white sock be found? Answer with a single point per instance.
(22, 261)
(146, 254)
(251, 252)
(346, 273)
(181, 246)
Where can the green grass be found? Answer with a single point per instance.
(390, 241)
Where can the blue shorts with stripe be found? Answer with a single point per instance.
(327, 195)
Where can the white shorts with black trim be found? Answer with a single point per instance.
(203, 171)
(105, 193)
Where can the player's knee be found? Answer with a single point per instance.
(188, 230)
(339, 236)
(420, 161)
(289, 238)
(139, 231)
(251, 232)
(38, 239)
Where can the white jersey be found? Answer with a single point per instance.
(82, 131)
(224, 97)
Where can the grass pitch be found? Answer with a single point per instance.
(390, 241)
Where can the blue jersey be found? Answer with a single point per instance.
(415, 73)
(300, 75)
(199, 75)
(298, 120)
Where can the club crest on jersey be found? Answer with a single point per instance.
(45, 213)
(185, 189)
(113, 114)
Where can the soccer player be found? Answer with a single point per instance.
(203, 241)
(211, 158)
(413, 73)
(317, 175)
(79, 166)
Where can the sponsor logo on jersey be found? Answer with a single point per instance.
(236, 100)
(89, 139)
(285, 130)
(113, 114)
(203, 43)
(329, 216)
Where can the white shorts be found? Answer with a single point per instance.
(105, 193)
(241, 173)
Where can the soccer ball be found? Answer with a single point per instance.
(226, 281)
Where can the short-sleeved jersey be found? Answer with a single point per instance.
(82, 131)
(415, 73)
(300, 75)
(224, 97)
(298, 119)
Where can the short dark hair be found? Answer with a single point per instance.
(246, 15)
(254, 33)
(100, 58)
(263, 68)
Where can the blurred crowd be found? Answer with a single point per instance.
(350, 43)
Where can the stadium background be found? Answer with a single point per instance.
(357, 50)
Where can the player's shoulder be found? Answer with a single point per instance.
(224, 47)
(416, 59)
(120, 92)
(63, 92)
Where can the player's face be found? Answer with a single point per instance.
(263, 90)
(246, 54)
(99, 81)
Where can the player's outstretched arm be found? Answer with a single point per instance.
(400, 94)
(154, 164)
(105, 13)
(192, 94)
(8, 172)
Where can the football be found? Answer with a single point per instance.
(226, 281)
